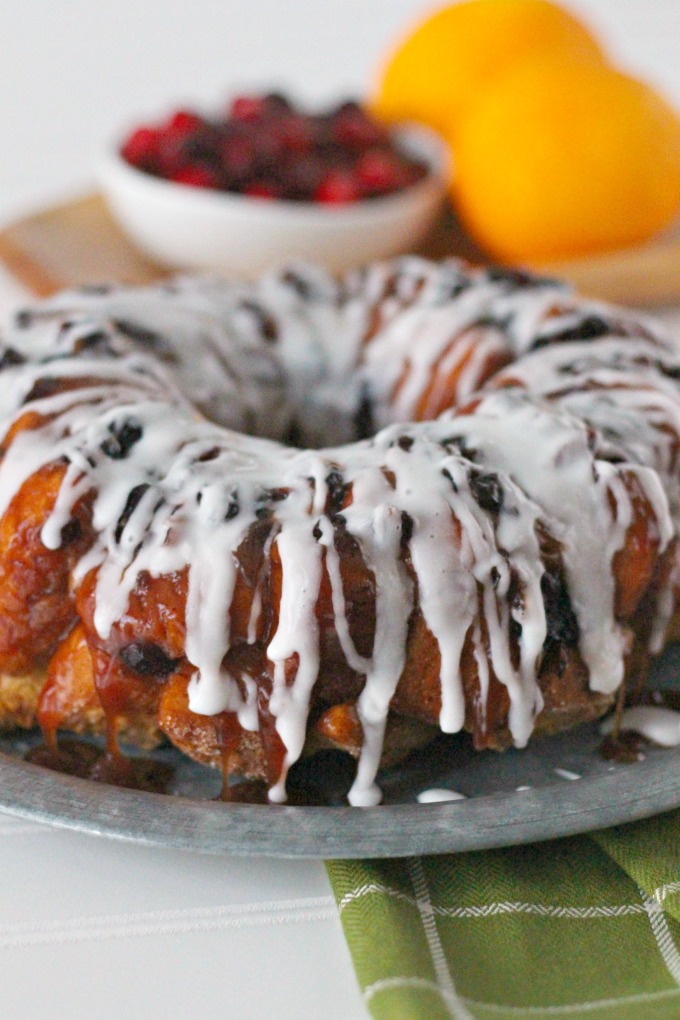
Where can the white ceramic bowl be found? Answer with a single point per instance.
(195, 228)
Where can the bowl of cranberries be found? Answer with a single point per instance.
(268, 182)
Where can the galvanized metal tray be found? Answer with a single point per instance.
(550, 801)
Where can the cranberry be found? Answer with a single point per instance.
(277, 103)
(248, 108)
(337, 186)
(238, 156)
(295, 133)
(200, 146)
(379, 171)
(411, 173)
(351, 126)
(184, 122)
(197, 176)
(303, 176)
(269, 143)
(172, 154)
(261, 189)
(267, 148)
(141, 148)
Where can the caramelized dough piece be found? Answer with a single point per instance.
(201, 737)
(19, 696)
(71, 699)
(339, 727)
(37, 608)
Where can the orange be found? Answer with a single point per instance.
(557, 159)
(443, 62)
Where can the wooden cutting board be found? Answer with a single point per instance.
(78, 242)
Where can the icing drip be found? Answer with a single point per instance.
(297, 634)
(447, 515)
(394, 602)
(574, 491)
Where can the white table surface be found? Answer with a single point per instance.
(89, 927)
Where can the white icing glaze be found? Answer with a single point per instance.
(437, 796)
(660, 725)
(300, 351)
(560, 466)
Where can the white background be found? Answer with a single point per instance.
(91, 928)
(75, 72)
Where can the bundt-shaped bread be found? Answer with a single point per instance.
(177, 570)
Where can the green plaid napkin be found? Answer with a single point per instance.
(587, 928)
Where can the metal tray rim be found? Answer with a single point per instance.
(393, 830)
